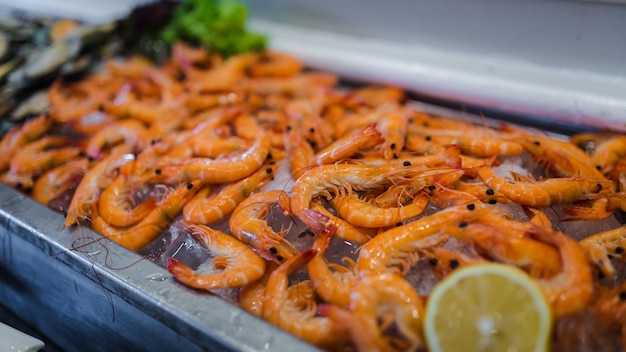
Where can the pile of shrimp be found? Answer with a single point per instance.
(366, 167)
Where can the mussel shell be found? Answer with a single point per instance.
(77, 68)
(6, 47)
(34, 105)
(8, 67)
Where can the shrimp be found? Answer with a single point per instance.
(318, 214)
(608, 151)
(139, 235)
(57, 180)
(501, 243)
(116, 205)
(275, 64)
(42, 155)
(248, 223)
(406, 190)
(323, 179)
(219, 170)
(224, 77)
(349, 145)
(248, 127)
(544, 193)
(449, 155)
(280, 311)
(443, 261)
(361, 213)
(371, 298)
(393, 127)
(571, 289)
(390, 247)
(298, 85)
(300, 152)
(239, 265)
(562, 157)
(131, 132)
(22, 135)
(601, 206)
(332, 286)
(473, 141)
(96, 178)
(481, 191)
(206, 209)
(601, 246)
(251, 295)
(373, 96)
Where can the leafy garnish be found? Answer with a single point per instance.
(218, 26)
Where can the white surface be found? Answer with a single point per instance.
(86, 10)
(580, 97)
(12, 340)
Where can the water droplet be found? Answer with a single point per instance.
(94, 253)
(157, 277)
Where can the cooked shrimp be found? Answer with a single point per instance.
(129, 131)
(22, 135)
(544, 193)
(443, 261)
(275, 64)
(406, 190)
(301, 84)
(207, 208)
(601, 246)
(219, 170)
(238, 264)
(249, 223)
(503, 244)
(319, 215)
(374, 296)
(299, 151)
(332, 286)
(361, 213)
(349, 145)
(393, 127)
(44, 154)
(116, 204)
(447, 155)
(58, 179)
(324, 179)
(572, 288)
(601, 206)
(94, 180)
(391, 247)
(251, 295)
(280, 311)
(139, 235)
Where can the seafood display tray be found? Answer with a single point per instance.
(74, 286)
(79, 289)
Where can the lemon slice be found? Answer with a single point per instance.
(487, 307)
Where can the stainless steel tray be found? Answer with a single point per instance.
(85, 292)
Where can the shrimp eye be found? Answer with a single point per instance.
(536, 143)
(619, 249)
(190, 185)
(312, 129)
(100, 107)
(598, 167)
(157, 171)
(406, 163)
(622, 295)
(462, 224)
(600, 275)
(398, 224)
(81, 153)
(269, 170)
(425, 124)
(490, 192)
(269, 155)
(427, 138)
(432, 261)
(279, 258)
(454, 263)
(492, 201)
(273, 250)
(392, 146)
(395, 156)
(432, 187)
(90, 158)
(471, 206)
(288, 128)
(599, 186)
